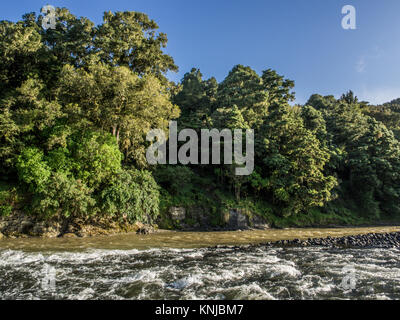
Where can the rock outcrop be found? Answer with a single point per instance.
(22, 225)
(177, 213)
(238, 219)
(145, 229)
(197, 218)
(19, 224)
(258, 222)
(241, 219)
(370, 240)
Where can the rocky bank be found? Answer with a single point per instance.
(196, 219)
(20, 225)
(370, 240)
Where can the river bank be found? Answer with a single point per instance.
(23, 225)
(369, 240)
(181, 240)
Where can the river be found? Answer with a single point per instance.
(181, 265)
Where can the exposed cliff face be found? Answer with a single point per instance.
(197, 218)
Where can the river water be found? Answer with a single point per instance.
(174, 265)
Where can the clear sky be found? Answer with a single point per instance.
(301, 39)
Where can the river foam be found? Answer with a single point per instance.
(254, 273)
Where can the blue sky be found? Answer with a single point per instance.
(303, 40)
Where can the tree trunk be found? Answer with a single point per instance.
(237, 192)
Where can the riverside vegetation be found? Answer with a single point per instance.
(77, 102)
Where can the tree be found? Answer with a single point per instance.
(293, 162)
(65, 197)
(389, 114)
(25, 113)
(96, 157)
(243, 88)
(321, 103)
(71, 42)
(133, 194)
(315, 122)
(195, 99)
(33, 170)
(129, 39)
(20, 53)
(118, 101)
(367, 165)
(232, 119)
(277, 87)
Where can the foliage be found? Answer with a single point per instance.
(33, 170)
(295, 159)
(66, 197)
(133, 194)
(77, 102)
(178, 180)
(8, 198)
(96, 158)
(368, 166)
(119, 101)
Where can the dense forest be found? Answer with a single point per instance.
(77, 101)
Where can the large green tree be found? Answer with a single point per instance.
(368, 165)
(129, 39)
(293, 162)
(117, 100)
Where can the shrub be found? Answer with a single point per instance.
(8, 200)
(133, 194)
(65, 196)
(96, 157)
(5, 207)
(176, 179)
(32, 169)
